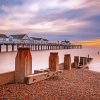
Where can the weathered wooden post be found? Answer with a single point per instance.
(23, 64)
(81, 60)
(85, 60)
(67, 62)
(76, 61)
(53, 61)
(88, 59)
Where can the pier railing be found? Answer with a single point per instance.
(36, 46)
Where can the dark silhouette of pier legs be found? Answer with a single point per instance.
(12, 48)
(0, 48)
(6, 48)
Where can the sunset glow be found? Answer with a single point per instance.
(95, 42)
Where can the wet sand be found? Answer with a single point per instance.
(77, 84)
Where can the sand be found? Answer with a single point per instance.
(77, 84)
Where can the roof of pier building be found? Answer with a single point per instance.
(3, 36)
(45, 40)
(35, 38)
(19, 36)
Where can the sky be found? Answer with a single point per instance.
(76, 20)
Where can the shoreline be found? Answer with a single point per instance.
(77, 84)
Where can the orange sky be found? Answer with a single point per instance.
(94, 42)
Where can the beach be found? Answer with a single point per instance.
(77, 84)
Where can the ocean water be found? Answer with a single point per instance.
(40, 58)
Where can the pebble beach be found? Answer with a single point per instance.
(77, 84)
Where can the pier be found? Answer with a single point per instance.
(36, 47)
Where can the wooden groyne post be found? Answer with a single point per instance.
(76, 61)
(67, 62)
(83, 60)
(23, 64)
(53, 61)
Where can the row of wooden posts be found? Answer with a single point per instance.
(23, 66)
(78, 61)
(37, 47)
(23, 63)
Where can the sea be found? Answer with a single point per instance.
(40, 59)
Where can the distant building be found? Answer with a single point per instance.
(3, 38)
(65, 42)
(21, 38)
(38, 40)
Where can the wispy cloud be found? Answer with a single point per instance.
(77, 19)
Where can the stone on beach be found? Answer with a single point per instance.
(71, 85)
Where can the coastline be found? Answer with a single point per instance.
(77, 84)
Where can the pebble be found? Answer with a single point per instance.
(77, 84)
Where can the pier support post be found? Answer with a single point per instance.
(0, 47)
(48, 47)
(54, 61)
(38, 47)
(67, 62)
(23, 64)
(6, 48)
(12, 47)
(76, 61)
(35, 47)
(32, 47)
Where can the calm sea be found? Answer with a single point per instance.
(40, 58)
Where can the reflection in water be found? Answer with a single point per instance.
(40, 58)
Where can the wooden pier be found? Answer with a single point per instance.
(37, 47)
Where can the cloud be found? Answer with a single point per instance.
(77, 19)
(10, 2)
